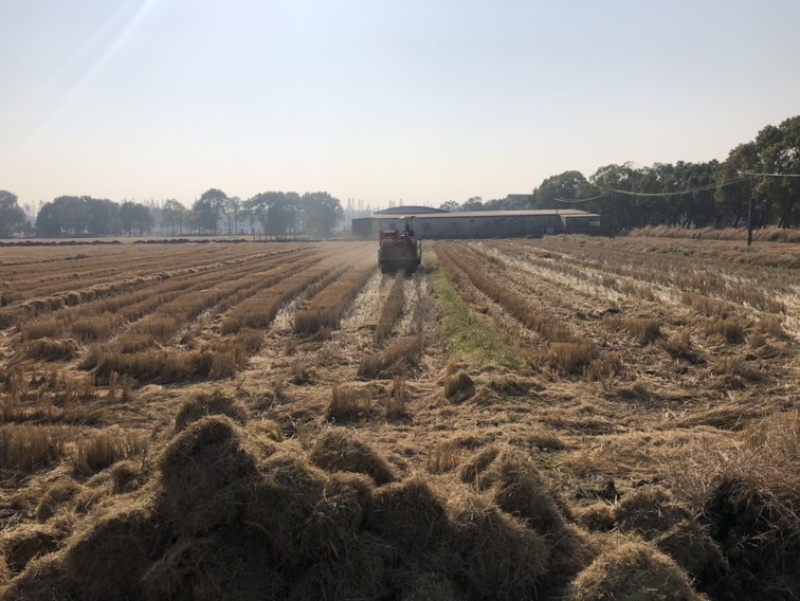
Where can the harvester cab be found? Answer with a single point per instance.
(399, 249)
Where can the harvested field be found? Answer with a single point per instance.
(563, 418)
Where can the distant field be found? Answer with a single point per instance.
(526, 419)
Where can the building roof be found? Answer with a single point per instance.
(408, 210)
(568, 213)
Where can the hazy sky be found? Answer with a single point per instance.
(419, 101)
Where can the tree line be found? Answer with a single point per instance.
(684, 194)
(709, 194)
(268, 213)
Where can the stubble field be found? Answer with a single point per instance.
(570, 417)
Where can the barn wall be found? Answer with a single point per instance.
(362, 228)
(488, 226)
(476, 227)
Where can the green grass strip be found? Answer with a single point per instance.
(470, 337)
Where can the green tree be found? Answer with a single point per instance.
(321, 213)
(101, 216)
(283, 213)
(258, 207)
(474, 203)
(64, 216)
(277, 212)
(137, 216)
(512, 202)
(48, 224)
(233, 209)
(567, 185)
(699, 208)
(779, 149)
(651, 207)
(775, 150)
(247, 215)
(733, 199)
(615, 184)
(208, 209)
(12, 217)
(174, 214)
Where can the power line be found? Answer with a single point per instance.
(702, 188)
(576, 200)
(774, 174)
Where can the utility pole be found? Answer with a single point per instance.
(750, 215)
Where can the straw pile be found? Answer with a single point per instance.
(60, 495)
(109, 559)
(652, 514)
(205, 473)
(20, 544)
(757, 525)
(231, 514)
(336, 450)
(213, 403)
(632, 571)
(516, 486)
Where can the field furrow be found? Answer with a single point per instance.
(565, 395)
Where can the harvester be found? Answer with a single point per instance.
(399, 250)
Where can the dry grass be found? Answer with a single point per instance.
(444, 457)
(47, 327)
(339, 451)
(24, 543)
(392, 307)
(396, 404)
(632, 570)
(479, 497)
(642, 330)
(606, 365)
(748, 499)
(770, 325)
(710, 307)
(502, 558)
(348, 404)
(215, 402)
(518, 305)
(104, 448)
(301, 373)
(681, 347)
(205, 472)
(569, 358)
(218, 566)
(410, 515)
(737, 371)
(95, 327)
(52, 395)
(728, 331)
(259, 311)
(400, 358)
(459, 386)
(767, 234)
(109, 560)
(48, 350)
(219, 361)
(26, 448)
(327, 308)
(59, 496)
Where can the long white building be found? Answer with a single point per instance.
(434, 223)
